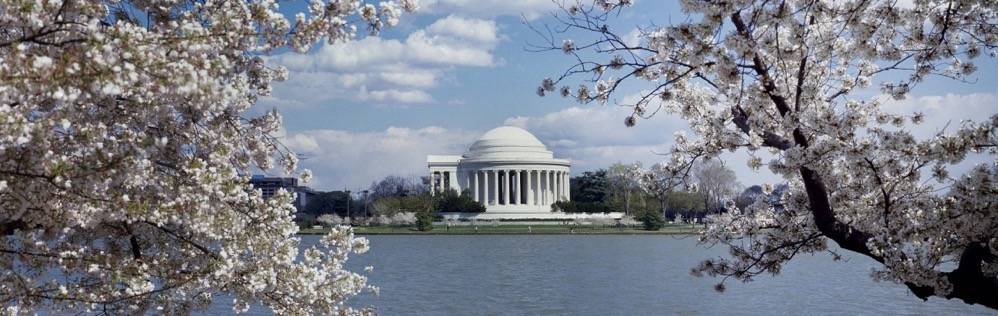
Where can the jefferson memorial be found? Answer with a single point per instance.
(510, 172)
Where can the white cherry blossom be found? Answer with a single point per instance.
(125, 153)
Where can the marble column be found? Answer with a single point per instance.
(475, 186)
(561, 180)
(540, 187)
(537, 187)
(484, 194)
(564, 185)
(568, 186)
(505, 187)
(544, 188)
(550, 187)
(544, 191)
(516, 184)
(554, 186)
(495, 188)
(557, 185)
(454, 183)
(530, 188)
(433, 183)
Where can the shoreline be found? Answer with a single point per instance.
(511, 229)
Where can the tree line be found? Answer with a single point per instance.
(393, 200)
(618, 188)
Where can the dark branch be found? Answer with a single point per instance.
(8, 228)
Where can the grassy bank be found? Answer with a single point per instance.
(515, 229)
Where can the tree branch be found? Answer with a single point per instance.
(8, 228)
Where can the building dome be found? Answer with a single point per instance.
(508, 142)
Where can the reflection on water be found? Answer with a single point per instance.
(608, 275)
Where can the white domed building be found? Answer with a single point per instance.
(510, 172)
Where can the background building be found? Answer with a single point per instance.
(270, 185)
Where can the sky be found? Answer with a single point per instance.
(376, 106)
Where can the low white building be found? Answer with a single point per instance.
(510, 172)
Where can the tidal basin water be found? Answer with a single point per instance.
(612, 275)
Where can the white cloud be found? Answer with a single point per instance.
(352, 160)
(598, 126)
(944, 111)
(386, 70)
(531, 9)
(481, 31)
(403, 96)
(415, 78)
(633, 38)
(422, 47)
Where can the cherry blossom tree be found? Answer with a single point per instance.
(124, 155)
(784, 77)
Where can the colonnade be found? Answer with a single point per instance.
(518, 186)
(443, 180)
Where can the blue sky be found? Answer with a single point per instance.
(457, 68)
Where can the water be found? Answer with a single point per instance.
(611, 275)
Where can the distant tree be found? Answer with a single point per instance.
(715, 183)
(591, 186)
(660, 183)
(335, 202)
(397, 186)
(417, 203)
(391, 185)
(623, 182)
(386, 206)
(320, 203)
(685, 203)
(305, 220)
(749, 196)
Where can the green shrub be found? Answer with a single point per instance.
(564, 206)
(450, 201)
(424, 221)
(651, 220)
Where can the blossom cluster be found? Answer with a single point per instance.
(124, 155)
